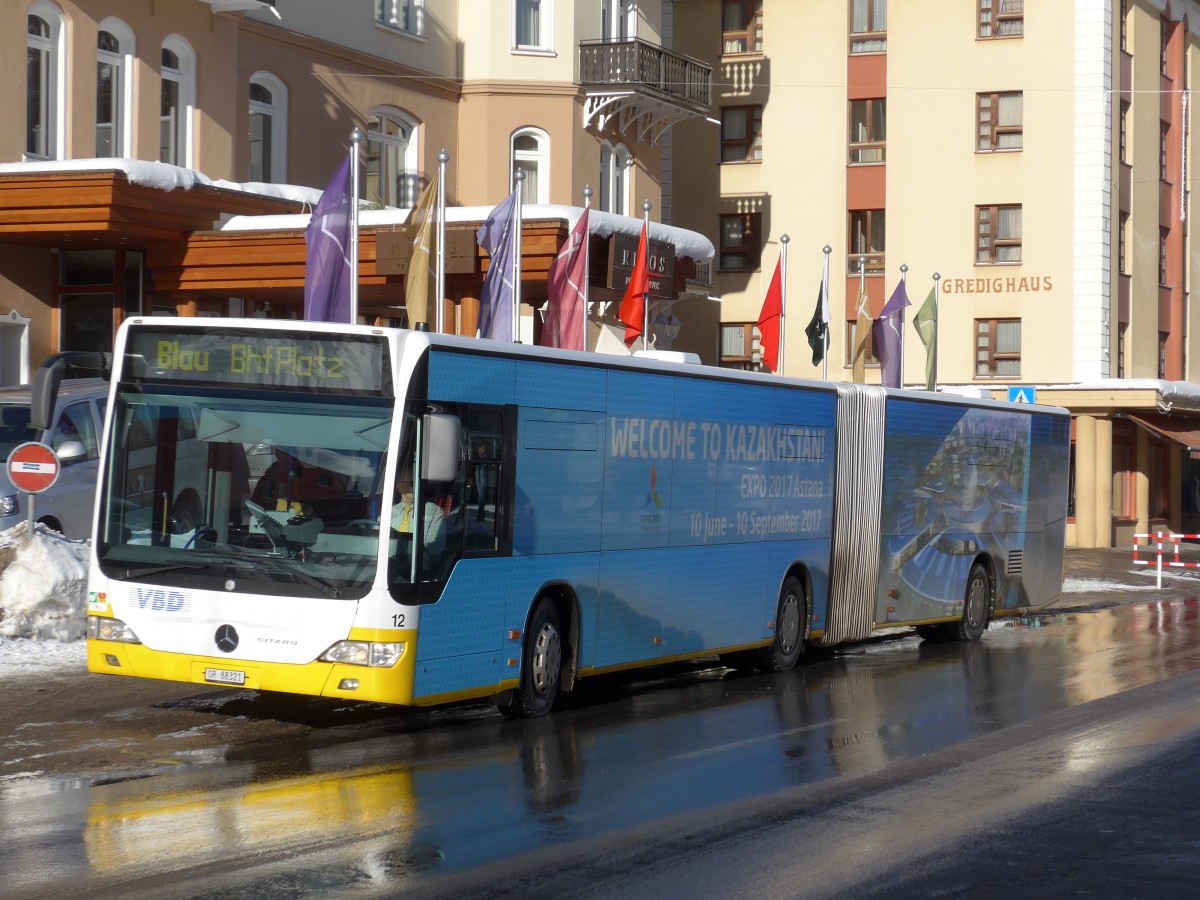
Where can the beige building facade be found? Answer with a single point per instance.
(250, 106)
(1030, 162)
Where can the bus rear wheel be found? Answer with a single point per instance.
(977, 605)
(790, 617)
(541, 666)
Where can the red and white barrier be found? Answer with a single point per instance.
(1157, 538)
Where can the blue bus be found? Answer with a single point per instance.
(403, 517)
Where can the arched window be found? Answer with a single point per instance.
(114, 89)
(614, 178)
(45, 106)
(177, 105)
(531, 155)
(268, 128)
(392, 178)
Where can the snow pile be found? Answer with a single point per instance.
(43, 586)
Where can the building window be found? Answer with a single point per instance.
(268, 128)
(998, 121)
(868, 131)
(614, 178)
(738, 345)
(741, 26)
(740, 242)
(1124, 133)
(997, 348)
(868, 26)
(531, 155)
(391, 159)
(1001, 18)
(44, 107)
(997, 234)
(112, 92)
(1163, 132)
(1158, 468)
(1162, 354)
(1122, 329)
(533, 25)
(741, 134)
(177, 100)
(866, 238)
(1163, 234)
(406, 15)
(1123, 244)
(1125, 24)
(618, 19)
(1164, 42)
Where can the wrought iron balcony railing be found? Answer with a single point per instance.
(638, 65)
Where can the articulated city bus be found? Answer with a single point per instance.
(409, 518)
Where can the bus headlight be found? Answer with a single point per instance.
(9, 506)
(104, 629)
(364, 653)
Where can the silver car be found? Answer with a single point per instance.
(75, 438)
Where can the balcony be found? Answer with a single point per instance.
(641, 86)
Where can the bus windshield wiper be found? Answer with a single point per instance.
(234, 561)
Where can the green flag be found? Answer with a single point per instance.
(925, 321)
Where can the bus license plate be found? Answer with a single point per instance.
(225, 676)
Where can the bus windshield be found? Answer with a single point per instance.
(245, 491)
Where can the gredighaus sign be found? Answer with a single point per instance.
(999, 284)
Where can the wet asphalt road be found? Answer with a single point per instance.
(1054, 757)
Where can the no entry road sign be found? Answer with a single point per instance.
(32, 467)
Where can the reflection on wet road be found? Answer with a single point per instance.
(456, 790)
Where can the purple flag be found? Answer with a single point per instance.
(886, 332)
(498, 236)
(327, 269)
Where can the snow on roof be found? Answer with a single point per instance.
(600, 224)
(165, 177)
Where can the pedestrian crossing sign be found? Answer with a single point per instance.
(1020, 395)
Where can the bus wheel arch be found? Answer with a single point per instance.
(793, 612)
(546, 655)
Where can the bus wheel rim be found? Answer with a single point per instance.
(789, 624)
(977, 601)
(547, 659)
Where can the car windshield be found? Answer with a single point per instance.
(14, 427)
(262, 492)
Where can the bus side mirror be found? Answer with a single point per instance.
(441, 446)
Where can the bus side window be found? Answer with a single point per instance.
(484, 451)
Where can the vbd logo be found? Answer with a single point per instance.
(160, 600)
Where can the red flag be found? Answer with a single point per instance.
(769, 318)
(566, 291)
(633, 304)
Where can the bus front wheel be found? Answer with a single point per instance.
(790, 617)
(541, 666)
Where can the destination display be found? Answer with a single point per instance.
(349, 364)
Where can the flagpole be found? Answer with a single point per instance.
(783, 242)
(904, 281)
(937, 277)
(443, 158)
(587, 204)
(646, 206)
(516, 306)
(356, 137)
(825, 304)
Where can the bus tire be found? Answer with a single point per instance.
(790, 618)
(977, 604)
(541, 665)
